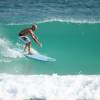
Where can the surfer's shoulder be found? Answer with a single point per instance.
(30, 31)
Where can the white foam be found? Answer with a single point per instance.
(50, 87)
(7, 51)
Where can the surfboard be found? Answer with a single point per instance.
(36, 56)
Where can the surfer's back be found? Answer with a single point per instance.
(24, 32)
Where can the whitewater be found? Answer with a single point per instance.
(49, 87)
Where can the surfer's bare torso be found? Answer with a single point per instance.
(25, 32)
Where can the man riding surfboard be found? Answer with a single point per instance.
(23, 35)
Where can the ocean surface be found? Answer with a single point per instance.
(69, 31)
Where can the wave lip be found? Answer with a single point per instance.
(79, 21)
(49, 87)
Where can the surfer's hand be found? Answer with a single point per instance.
(40, 45)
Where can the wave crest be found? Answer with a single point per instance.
(93, 21)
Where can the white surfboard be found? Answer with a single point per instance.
(36, 56)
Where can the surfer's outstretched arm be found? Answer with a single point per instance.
(35, 38)
(37, 41)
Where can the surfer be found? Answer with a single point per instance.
(23, 35)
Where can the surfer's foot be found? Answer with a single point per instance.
(30, 53)
(25, 50)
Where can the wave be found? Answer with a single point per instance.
(59, 20)
(49, 87)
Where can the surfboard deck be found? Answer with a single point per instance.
(36, 56)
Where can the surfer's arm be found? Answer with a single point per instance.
(37, 41)
(35, 38)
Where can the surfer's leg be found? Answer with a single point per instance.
(27, 42)
(26, 46)
(29, 48)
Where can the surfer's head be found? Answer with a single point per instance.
(34, 27)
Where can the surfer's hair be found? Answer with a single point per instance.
(34, 27)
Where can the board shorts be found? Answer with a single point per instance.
(25, 39)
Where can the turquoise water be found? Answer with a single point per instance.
(74, 46)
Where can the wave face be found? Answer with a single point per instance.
(45, 87)
(74, 46)
(34, 11)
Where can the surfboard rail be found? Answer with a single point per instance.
(36, 56)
